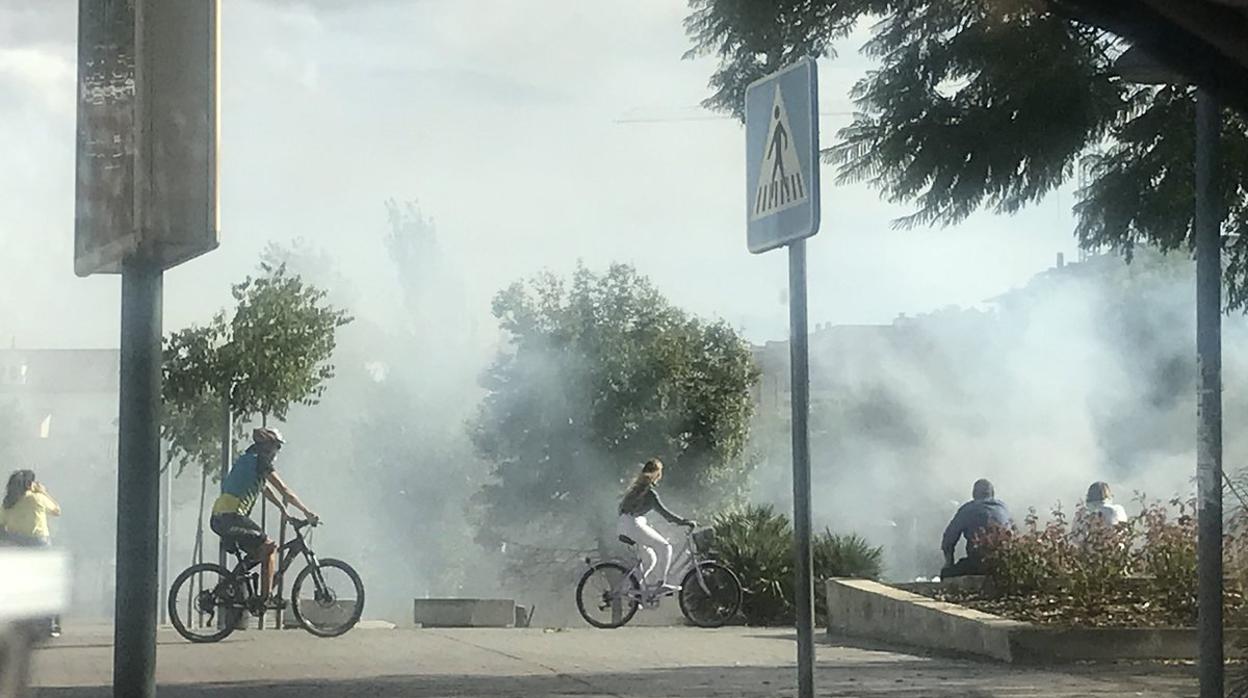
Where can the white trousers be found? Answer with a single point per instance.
(656, 551)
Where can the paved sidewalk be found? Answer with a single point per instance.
(627, 663)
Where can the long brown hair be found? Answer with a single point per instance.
(649, 474)
(19, 484)
(1099, 492)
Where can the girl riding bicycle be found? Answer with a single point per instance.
(640, 499)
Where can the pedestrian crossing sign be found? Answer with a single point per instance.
(782, 157)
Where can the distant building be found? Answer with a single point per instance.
(838, 354)
(63, 395)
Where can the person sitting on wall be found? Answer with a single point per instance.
(1099, 511)
(1101, 506)
(973, 519)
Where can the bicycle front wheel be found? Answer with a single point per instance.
(607, 595)
(206, 602)
(327, 599)
(710, 595)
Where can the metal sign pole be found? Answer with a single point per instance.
(264, 526)
(782, 208)
(166, 511)
(1207, 227)
(227, 454)
(799, 368)
(138, 482)
(145, 201)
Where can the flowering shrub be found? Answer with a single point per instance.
(1140, 572)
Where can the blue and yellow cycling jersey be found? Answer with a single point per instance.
(242, 486)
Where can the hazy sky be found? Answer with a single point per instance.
(535, 132)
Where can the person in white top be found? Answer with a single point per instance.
(1100, 505)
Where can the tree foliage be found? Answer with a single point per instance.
(272, 353)
(994, 104)
(1140, 189)
(754, 38)
(600, 373)
(757, 542)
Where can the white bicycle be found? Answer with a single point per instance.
(612, 591)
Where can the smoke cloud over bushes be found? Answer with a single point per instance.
(1086, 373)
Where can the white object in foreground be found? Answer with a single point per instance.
(34, 583)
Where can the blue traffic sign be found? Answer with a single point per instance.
(782, 157)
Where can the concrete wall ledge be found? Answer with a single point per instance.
(866, 609)
(464, 613)
(871, 610)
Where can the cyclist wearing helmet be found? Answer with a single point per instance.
(251, 475)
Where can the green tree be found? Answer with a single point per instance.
(993, 104)
(394, 419)
(753, 39)
(272, 353)
(602, 372)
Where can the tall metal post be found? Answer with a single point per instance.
(1207, 229)
(264, 526)
(166, 510)
(138, 482)
(800, 377)
(280, 582)
(227, 452)
(227, 457)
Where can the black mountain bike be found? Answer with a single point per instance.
(207, 601)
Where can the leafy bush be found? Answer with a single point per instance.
(1168, 557)
(757, 542)
(845, 556)
(1100, 558)
(1141, 572)
(1026, 562)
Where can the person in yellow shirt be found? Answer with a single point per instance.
(26, 509)
(24, 517)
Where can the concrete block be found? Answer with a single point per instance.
(867, 609)
(524, 616)
(465, 613)
(1039, 644)
(375, 625)
(971, 584)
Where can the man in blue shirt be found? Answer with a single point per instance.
(983, 513)
(251, 476)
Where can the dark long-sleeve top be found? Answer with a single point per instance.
(639, 501)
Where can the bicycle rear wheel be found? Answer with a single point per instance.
(329, 602)
(607, 595)
(713, 599)
(206, 602)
